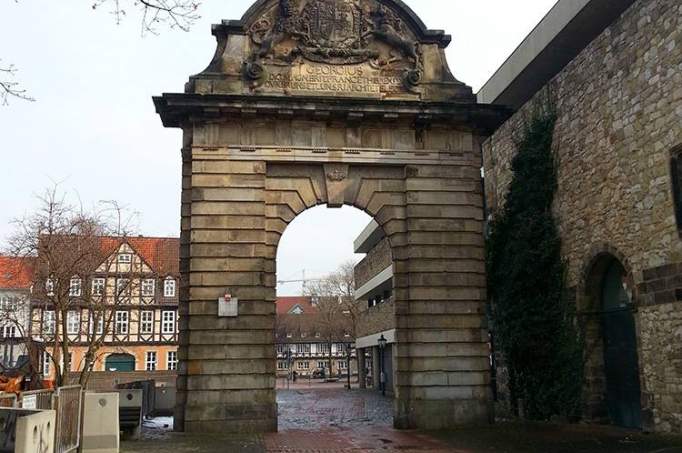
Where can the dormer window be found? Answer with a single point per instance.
(75, 287)
(125, 258)
(169, 287)
(297, 310)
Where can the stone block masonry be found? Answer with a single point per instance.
(619, 105)
(257, 153)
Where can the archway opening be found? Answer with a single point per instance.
(334, 304)
(612, 371)
(120, 362)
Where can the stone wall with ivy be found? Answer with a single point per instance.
(619, 117)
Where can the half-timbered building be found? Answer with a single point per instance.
(129, 303)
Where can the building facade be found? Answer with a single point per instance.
(612, 72)
(15, 294)
(304, 348)
(376, 309)
(129, 303)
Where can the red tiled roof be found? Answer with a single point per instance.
(162, 254)
(286, 304)
(16, 273)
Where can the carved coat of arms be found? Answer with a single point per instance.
(336, 32)
(331, 32)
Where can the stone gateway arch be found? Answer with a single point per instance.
(336, 102)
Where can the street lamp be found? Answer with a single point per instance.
(382, 377)
(290, 362)
(349, 350)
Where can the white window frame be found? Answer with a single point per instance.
(282, 365)
(148, 287)
(144, 323)
(122, 322)
(46, 364)
(150, 361)
(49, 287)
(100, 324)
(49, 322)
(75, 287)
(124, 258)
(172, 360)
(9, 331)
(321, 364)
(97, 286)
(169, 287)
(305, 365)
(73, 322)
(168, 319)
(122, 291)
(168, 322)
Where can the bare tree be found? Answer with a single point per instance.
(175, 14)
(334, 298)
(66, 244)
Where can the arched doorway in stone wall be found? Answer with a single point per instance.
(612, 372)
(334, 301)
(362, 111)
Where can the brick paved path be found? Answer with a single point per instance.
(315, 409)
(334, 420)
(373, 439)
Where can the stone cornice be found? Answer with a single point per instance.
(175, 109)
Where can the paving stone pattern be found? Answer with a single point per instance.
(338, 421)
(320, 409)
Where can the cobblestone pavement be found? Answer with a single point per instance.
(320, 408)
(335, 420)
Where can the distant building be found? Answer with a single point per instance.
(376, 308)
(143, 319)
(15, 292)
(302, 346)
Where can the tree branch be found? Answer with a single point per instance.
(181, 14)
(10, 88)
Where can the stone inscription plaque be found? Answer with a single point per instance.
(335, 79)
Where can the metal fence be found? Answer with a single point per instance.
(67, 402)
(8, 399)
(37, 399)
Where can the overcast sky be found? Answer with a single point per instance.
(94, 128)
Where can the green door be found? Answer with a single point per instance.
(621, 364)
(120, 362)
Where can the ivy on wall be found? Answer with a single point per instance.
(533, 321)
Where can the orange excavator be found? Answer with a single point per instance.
(22, 377)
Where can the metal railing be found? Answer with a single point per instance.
(8, 399)
(36, 399)
(67, 402)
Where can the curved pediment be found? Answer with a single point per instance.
(404, 12)
(343, 48)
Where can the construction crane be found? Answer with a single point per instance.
(303, 280)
